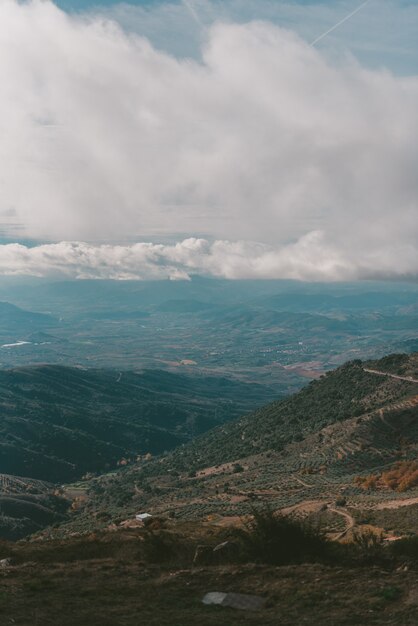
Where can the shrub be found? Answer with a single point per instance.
(164, 547)
(278, 540)
(158, 547)
(370, 547)
(407, 548)
(341, 501)
(402, 476)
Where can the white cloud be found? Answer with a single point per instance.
(381, 34)
(311, 258)
(105, 137)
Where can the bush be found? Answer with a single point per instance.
(405, 548)
(368, 542)
(164, 547)
(158, 547)
(369, 548)
(279, 540)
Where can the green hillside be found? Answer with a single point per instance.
(309, 447)
(344, 393)
(28, 505)
(57, 423)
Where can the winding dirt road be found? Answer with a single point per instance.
(408, 379)
(350, 522)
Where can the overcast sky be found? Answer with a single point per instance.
(164, 139)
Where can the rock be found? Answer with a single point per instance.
(215, 597)
(5, 562)
(203, 555)
(235, 600)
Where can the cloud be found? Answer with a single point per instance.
(311, 258)
(104, 137)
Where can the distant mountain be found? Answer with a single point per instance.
(331, 302)
(355, 420)
(183, 306)
(283, 320)
(14, 318)
(57, 423)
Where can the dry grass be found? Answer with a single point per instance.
(107, 580)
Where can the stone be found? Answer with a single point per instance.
(214, 597)
(235, 600)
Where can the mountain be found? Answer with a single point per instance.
(57, 423)
(13, 318)
(359, 419)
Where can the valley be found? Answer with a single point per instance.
(277, 333)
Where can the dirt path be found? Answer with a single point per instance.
(396, 504)
(349, 518)
(408, 379)
(302, 482)
(308, 506)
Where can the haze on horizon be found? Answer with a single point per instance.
(164, 139)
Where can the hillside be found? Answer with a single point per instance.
(57, 423)
(28, 505)
(14, 317)
(309, 447)
(342, 394)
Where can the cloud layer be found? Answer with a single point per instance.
(310, 259)
(105, 137)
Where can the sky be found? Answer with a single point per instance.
(165, 139)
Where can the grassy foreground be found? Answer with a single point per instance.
(137, 576)
(110, 593)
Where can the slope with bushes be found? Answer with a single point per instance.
(310, 447)
(57, 423)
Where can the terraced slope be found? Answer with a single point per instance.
(345, 393)
(310, 447)
(57, 423)
(28, 505)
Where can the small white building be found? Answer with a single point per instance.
(140, 517)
